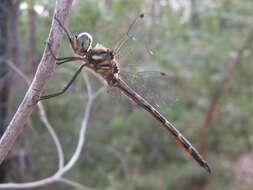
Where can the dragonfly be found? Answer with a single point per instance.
(103, 62)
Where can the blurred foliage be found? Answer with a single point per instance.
(125, 148)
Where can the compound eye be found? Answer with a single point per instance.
(84, 42)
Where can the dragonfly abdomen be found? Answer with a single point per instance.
(180, 139)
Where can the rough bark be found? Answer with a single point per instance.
(43, 73)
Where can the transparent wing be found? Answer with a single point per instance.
(139, 49)
(138, 53)
(160, 89)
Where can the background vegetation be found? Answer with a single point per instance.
(204, 47)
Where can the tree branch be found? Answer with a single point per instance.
(221, 89)
(44, 72)
(58, 175)
(43, 117)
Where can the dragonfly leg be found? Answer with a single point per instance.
(66, 87)
(71, 37)
(62, 60)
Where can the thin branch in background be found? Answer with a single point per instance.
(56, 140)
(91, 97)
(19, 72)
(62, 169)
(221, 89)
(88, 85)
(43, 117)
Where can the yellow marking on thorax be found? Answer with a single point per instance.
(98, 49)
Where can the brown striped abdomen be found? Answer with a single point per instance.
(180, 139)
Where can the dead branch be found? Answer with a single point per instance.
(58, 175)
(43, 73)
(43, 117)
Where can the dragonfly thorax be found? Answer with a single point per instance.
(102, 61)
(101, 53)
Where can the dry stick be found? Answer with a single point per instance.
(44, 72)
(203, 145)
(43, 117)
(51, 131)
(58, 175)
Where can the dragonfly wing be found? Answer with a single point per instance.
(160, 89)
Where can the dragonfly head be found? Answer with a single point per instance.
(83, 43)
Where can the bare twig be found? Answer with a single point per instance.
(19, 72)
(62, 170)
(49, 127)
(91, 98)
(88, 85)
(43, 117)
(44, 71)
(27, 106)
